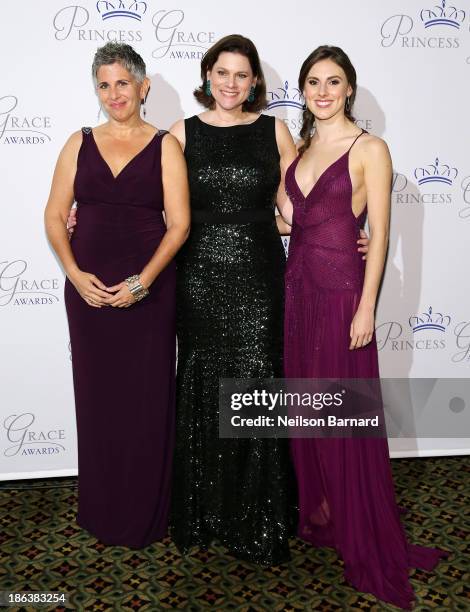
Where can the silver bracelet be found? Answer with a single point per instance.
(136, 288)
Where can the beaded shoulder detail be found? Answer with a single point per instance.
(86, 130)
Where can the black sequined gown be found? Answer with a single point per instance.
(230, 272)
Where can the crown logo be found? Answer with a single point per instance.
(134, 9)
(442, 15)
(436, 173)
(429, 320)
(285, 97)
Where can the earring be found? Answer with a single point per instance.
(142, 102)
(347, 105)
(99, 112)
(208, 89)
(251, 97)
(304, 107)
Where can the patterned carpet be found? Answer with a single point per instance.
(41, 548)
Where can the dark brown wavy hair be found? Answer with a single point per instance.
(339, 57)
(234, 43)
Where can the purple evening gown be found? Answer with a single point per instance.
(346, 492)
(123, 358)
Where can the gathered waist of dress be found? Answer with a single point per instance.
(262, 215)
(119, 216)
(340, 235)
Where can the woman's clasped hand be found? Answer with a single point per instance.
(96, 294)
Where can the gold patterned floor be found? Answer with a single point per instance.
(41, 548)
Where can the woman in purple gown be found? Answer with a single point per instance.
(120, 300)
(346, 494)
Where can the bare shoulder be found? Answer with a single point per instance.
(374, 157)
(372, 146)
(285, 142)
(173, 164)
(171, 146)
(178, 130)
(177, 127)
(282, 131)
(74, 141)
(169, 140)
(69, 152)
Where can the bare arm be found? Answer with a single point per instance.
(176, 203)
(60, 201)
(378, 177)
(179, 132)
(177, 215)
(288, 153)
(57, 209)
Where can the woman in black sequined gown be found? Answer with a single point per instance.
(230, 284)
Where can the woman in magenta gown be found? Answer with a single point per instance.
(120, 300)
(346, 493)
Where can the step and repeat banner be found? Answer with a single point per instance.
(413, 63)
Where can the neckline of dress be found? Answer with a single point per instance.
(229, 127)
(296, 162)
(305, 197)
(115, 177)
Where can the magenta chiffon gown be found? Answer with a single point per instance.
(346, 492)
(123, 358)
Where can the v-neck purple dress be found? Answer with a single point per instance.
(346, 492)
(123, 358)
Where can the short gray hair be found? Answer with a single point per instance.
(125, 55)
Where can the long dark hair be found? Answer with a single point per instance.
(339, 57)
(234, 43)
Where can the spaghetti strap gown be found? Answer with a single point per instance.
(123, 358)
(346, 492)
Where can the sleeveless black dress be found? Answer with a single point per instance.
(230, 294)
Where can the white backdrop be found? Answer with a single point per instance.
(413, 64)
